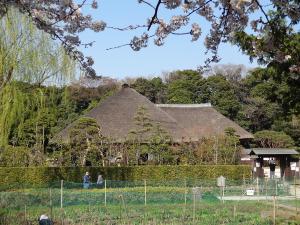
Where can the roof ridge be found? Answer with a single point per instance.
(201, 105)
(155, 105)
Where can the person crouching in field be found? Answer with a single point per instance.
(86, 180)
(100, 181)
(44, 220)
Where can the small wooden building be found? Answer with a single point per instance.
(287, 165)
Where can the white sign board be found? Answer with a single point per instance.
(221, 181)
(250, 192)
(293, 165)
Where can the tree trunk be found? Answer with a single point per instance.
(83, 162)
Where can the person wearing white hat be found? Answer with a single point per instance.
(45, 220)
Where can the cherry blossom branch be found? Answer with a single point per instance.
(130, 27)
(119, 46)
(147, 3)
(129, 44)
(195, 10)
(70, 13)
(154, 17)
(63, 20)
(183, 33)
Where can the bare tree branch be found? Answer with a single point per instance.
(262, 10)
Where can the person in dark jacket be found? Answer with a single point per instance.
(45, 220)
(272, 166)
(86, 180)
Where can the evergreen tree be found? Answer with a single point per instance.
(84, 139)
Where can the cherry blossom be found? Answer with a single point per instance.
(230, 22)
(260, 28)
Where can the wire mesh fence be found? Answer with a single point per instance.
(155, 202)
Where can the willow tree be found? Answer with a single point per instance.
(63, 20)
(27, 55)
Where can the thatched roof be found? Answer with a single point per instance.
(115, 116)
(202, 120)
(184, 123)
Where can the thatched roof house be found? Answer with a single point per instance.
(115, 115)
(202, 120)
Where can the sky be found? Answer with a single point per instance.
(177, 53)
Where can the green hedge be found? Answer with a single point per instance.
(39, 176)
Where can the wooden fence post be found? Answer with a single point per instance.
(61, 193)
(266, 181)
(105, 192)
(185, 192)
(276, 191)
(296, 205)
(223, 193)
(257, 187)
(145, 184)
(25, 215)
(194, 207)
(234, 212)
(51, 205)
(274, 209)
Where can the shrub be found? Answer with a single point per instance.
(15, 156)
(44, 176)
(273, 139)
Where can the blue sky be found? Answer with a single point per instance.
(177, 53)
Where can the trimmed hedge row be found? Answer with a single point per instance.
(40, 176)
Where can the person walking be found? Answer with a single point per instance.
(86, 180)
